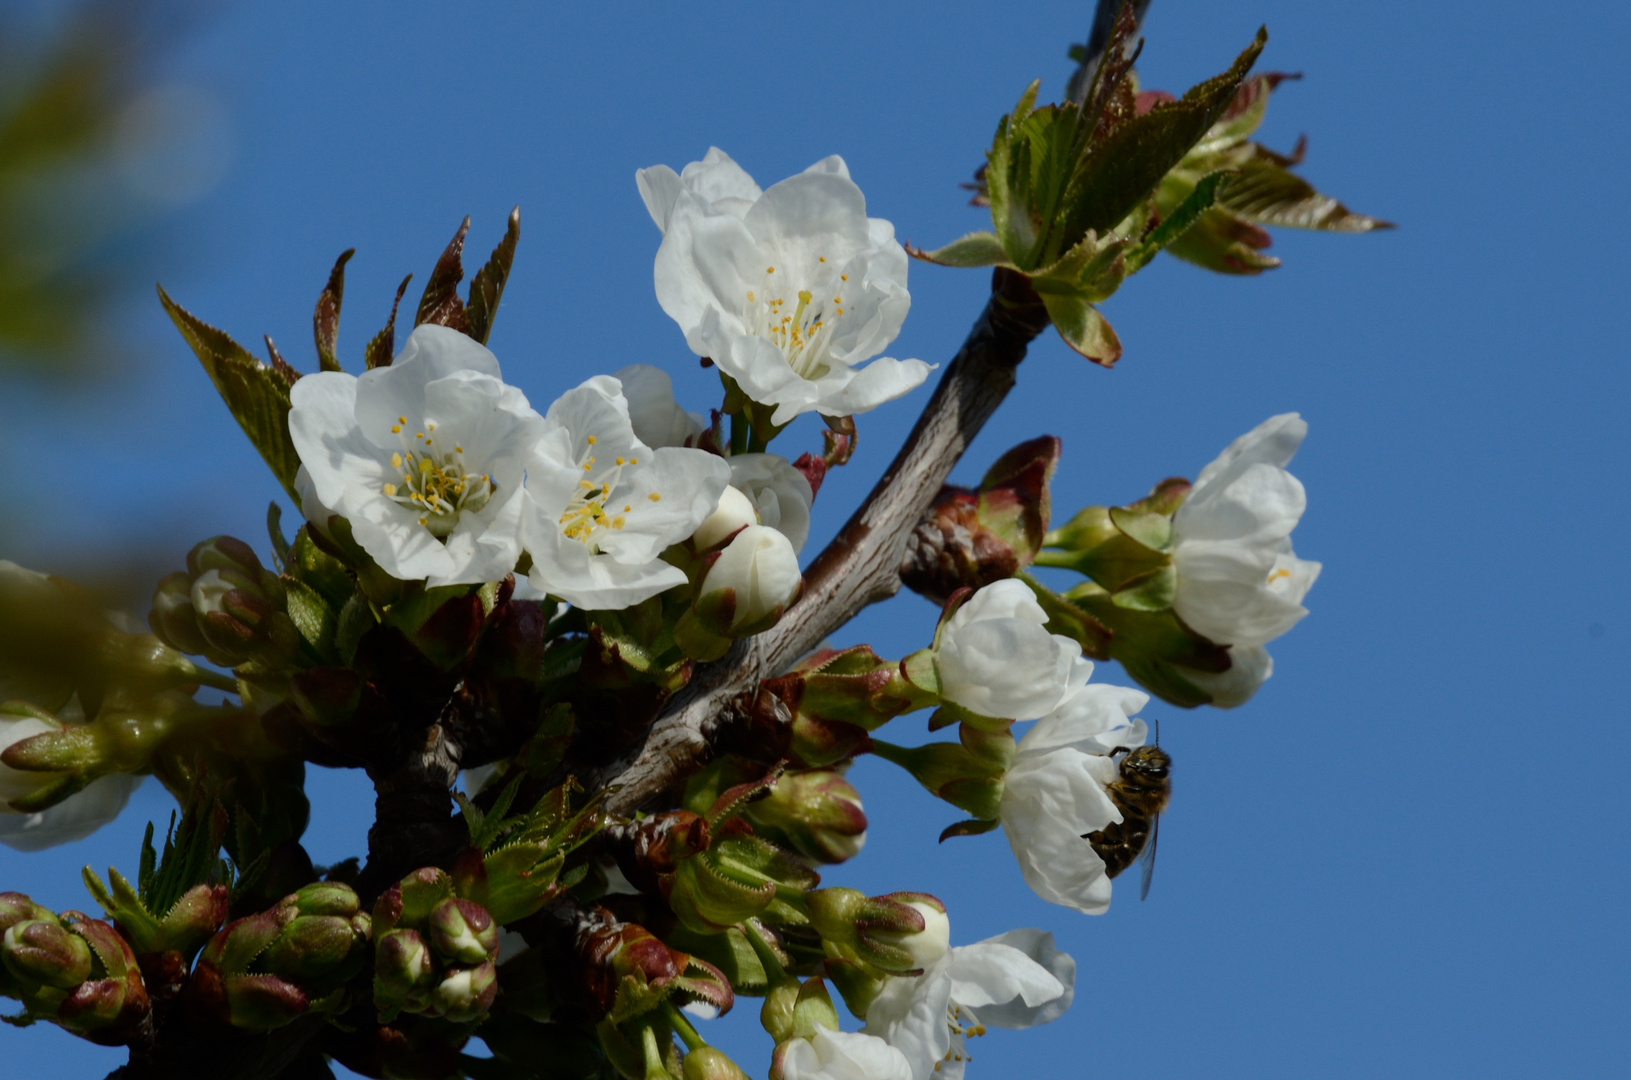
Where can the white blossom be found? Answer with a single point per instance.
(658, 419)
(1054, 792)
(424, 457)
(1238, 581)
(74, 818)
(786, 290)
(840, 1055)
(601, 506)
(780, 493)
(1014, 980)
(996, 658)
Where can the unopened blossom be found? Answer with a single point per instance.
(1054, 792)
(759, 571)
(74, 818)
(424, 457)
(788, 290)
(996, 658)
(840, 1055)
(658, 419)
(734, 513)
(1249, 668)
(602, 506)
(1239, 583)
(780, 493)
(1014, 980)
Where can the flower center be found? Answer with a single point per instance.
(803, 335)
(592, 511)
(435, 479)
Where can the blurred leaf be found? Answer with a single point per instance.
(1268, 193)
(257, 395)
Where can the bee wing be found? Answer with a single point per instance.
(1147, 860)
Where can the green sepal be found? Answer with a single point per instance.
(257, 395)
(1153, 591)
(972, 827)
(1152, 530)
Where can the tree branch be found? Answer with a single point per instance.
(862, 564)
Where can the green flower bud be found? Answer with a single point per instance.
(173, 617)
(410, 901)
(223, 553)
(404, 972)
(462, 932)
(465, 994)
(41, 951)
(263, 1002)
(898, 933)
(816, 813)
(710, 1063)
(315, 949)
(748, 585)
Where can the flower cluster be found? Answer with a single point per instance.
(595, 612)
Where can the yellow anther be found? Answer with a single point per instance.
(402, 419)
(389, 489)
(457, 449)
(1278, 574)
(396, 461)
(626, 509)
(396, 429)
(591, 440)
(770, 269)
(430, 427)
(821, 258)
(654, 497)
(425, 466)
(586, 485)
(620, 461)
(750, 296)
(843, 277)
(421, 521)
(617, 522)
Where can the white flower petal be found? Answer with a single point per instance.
(1020, 1012)
(1250, 667)
(1050, 802)
(75, 818)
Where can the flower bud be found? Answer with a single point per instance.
(41, 951)
(710, 1063)
(262, 1002)
(315, 949)
(817, 814)
(927, 945)
(781, 494)
(16, 907)
(892, 933)
(223, 553)
(734, 513)
(750, 584)
(465, 994)
(971, 538)
(410, 901)
(404, 972)
(173, 617)
(994, 657)
(463, 932)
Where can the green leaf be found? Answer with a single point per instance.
(356, 618)
(1268, 193)
(1244, 114)
(257, 395)
(440, 304)
(1180, 221)
(974, 250)
(1083, 328)
(1125, 166)
(488, 285)
(312, 616)
(325, 322)
(1225, 244)
(383, 345)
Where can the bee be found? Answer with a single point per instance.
(1141, 794)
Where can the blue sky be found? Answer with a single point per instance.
(1408, 855)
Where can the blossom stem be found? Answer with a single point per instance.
(775, 974)
(682, 1026)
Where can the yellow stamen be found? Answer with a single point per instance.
(389, 489)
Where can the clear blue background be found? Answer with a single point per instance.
(1408, 856)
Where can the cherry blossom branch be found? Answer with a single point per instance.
(862, 564)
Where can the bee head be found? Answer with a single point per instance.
(1151, 762)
